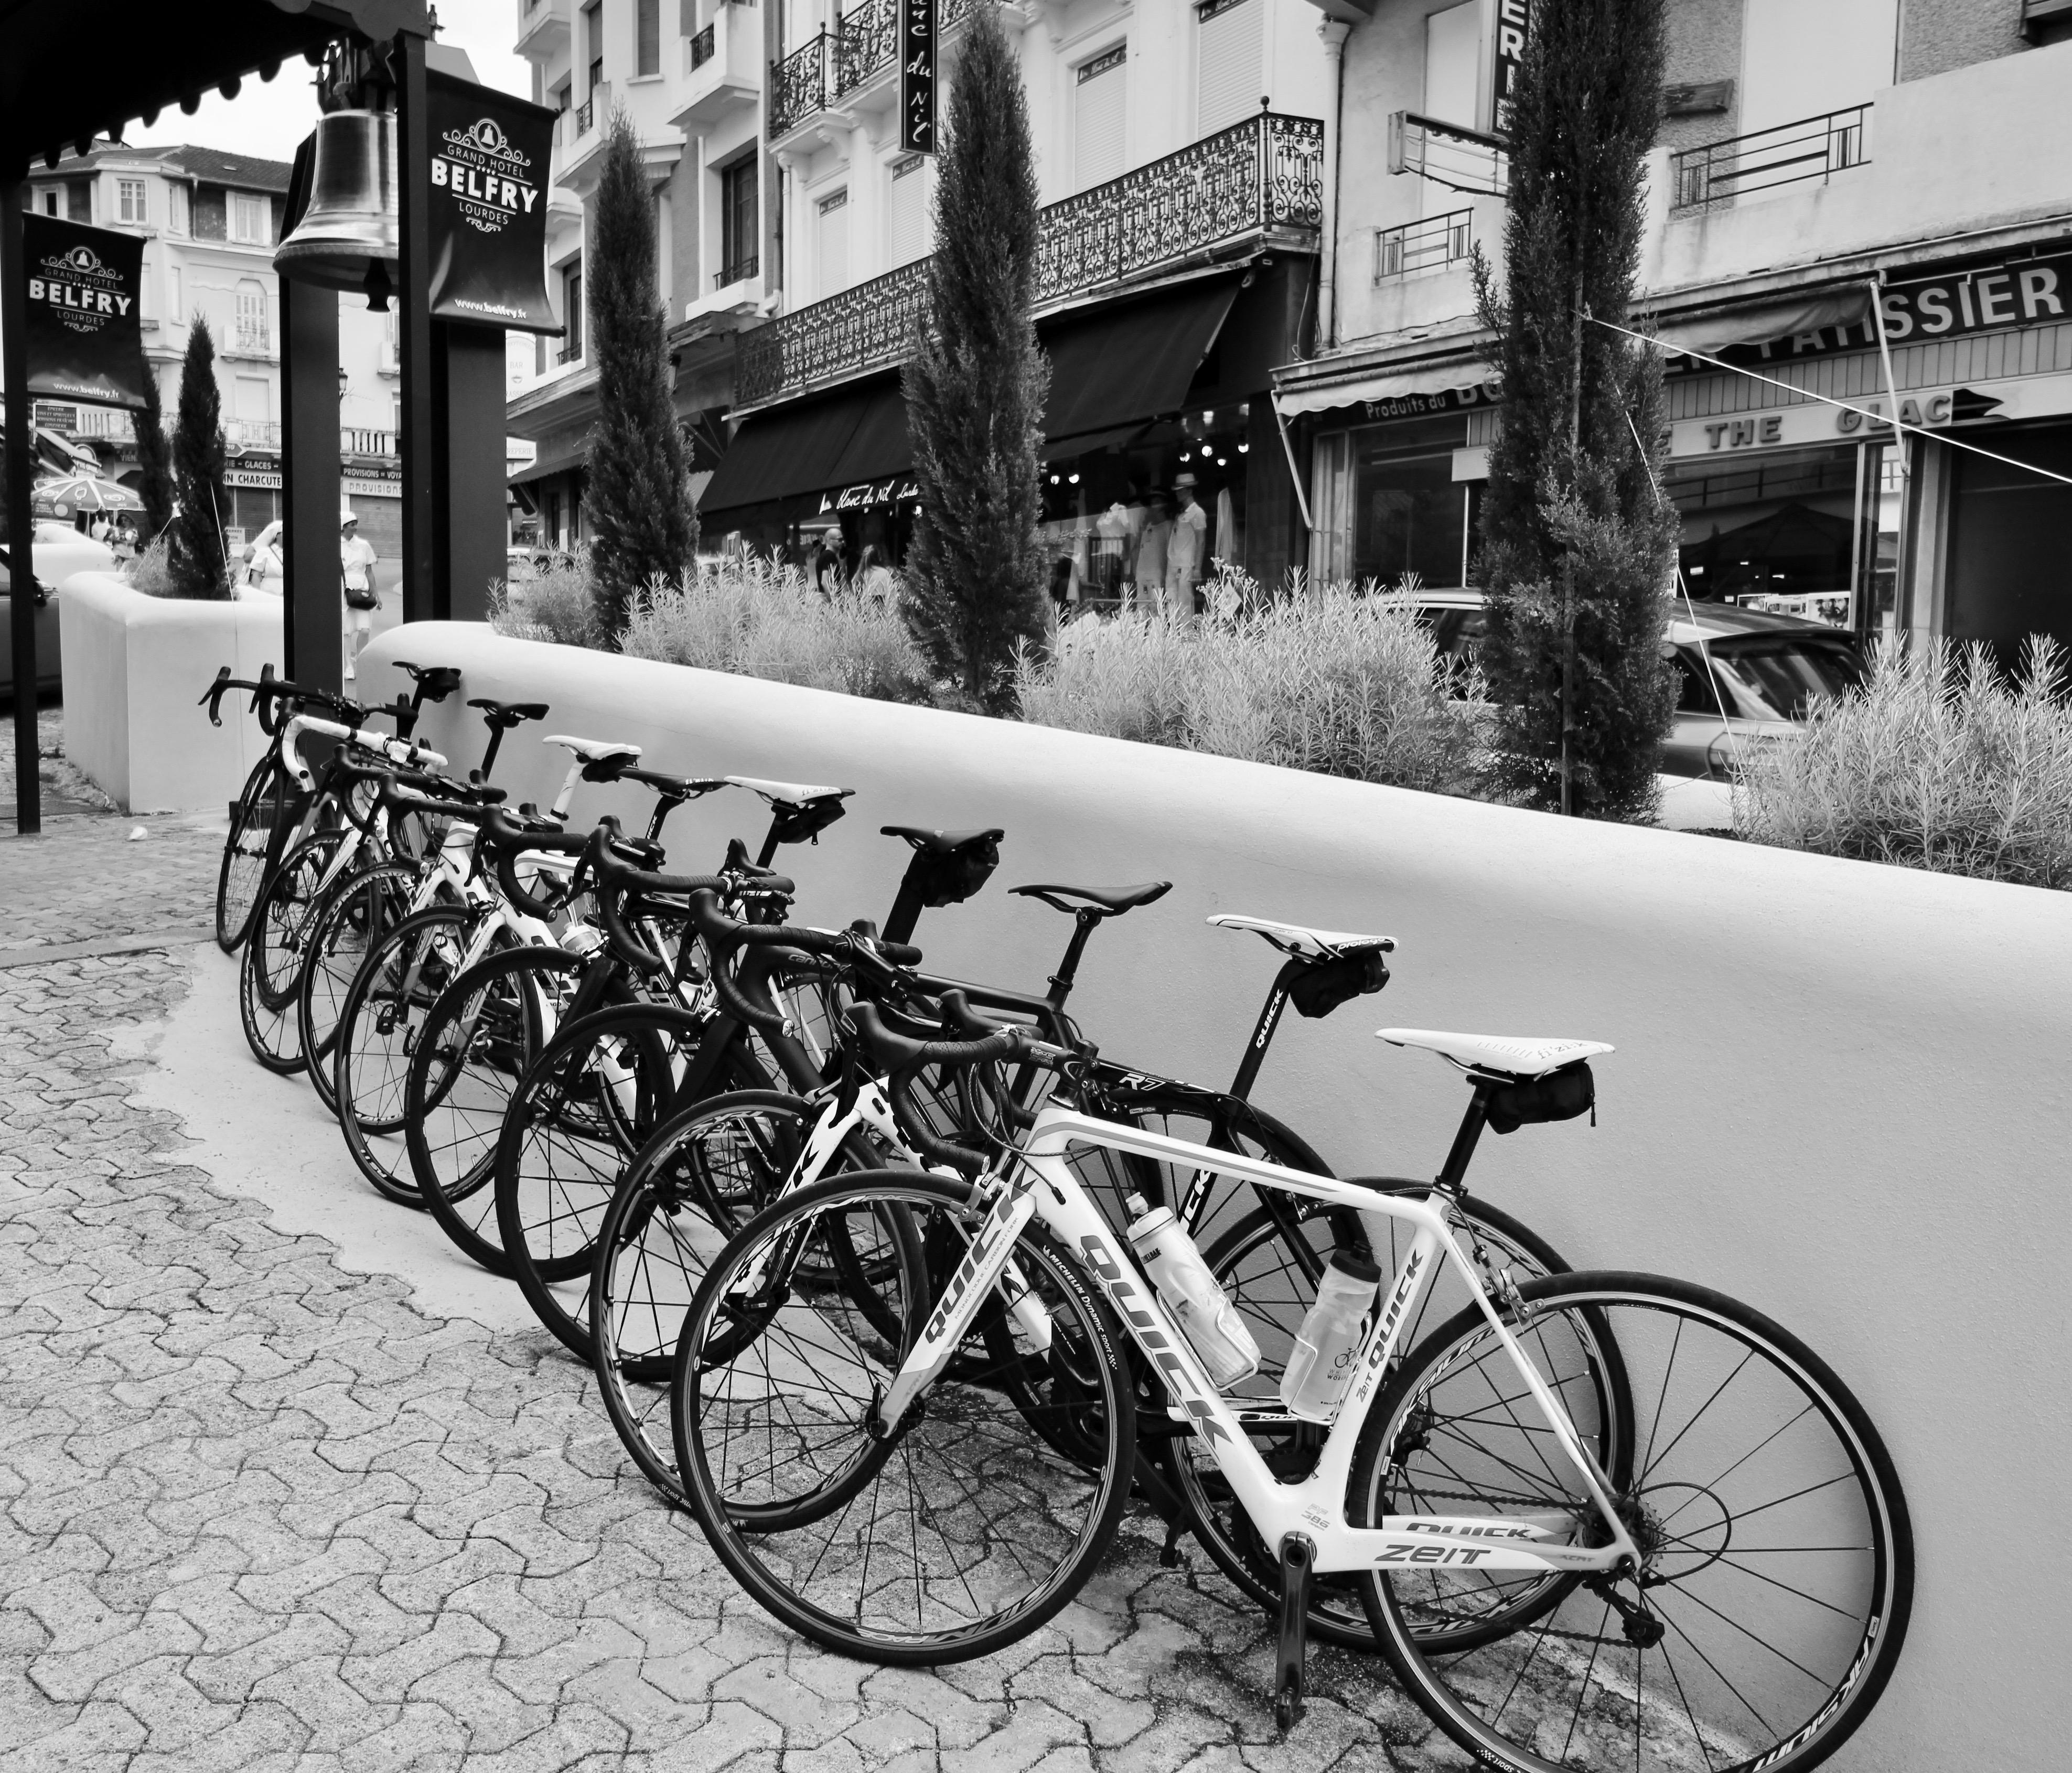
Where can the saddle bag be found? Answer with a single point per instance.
(1323, 986)
(1559, 1095)
(951, 879)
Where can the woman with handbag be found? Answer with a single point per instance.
(356, 558)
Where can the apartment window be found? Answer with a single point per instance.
(179, 218)
(560, 96)
(737, 230)
(647, 36)
(909, 209)
(1453, 67)
(251, 219)
(593, 44)
(1230, 62)
(1097, 118)
(53, 201)
(572, 314)
(255, 397)
(251, 319)
(129, 199)
(833, 242)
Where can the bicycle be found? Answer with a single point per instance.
(1524, 1536)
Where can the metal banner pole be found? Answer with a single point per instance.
(425, 588)
(21, 527)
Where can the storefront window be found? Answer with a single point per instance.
(1778, 532)
(1389, 506)
(2009, 575)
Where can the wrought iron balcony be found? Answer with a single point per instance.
(1815, 147)
(799, 86)
(701, 47)
(1433, 244)
(1263, 176)
(586, 115)
(868, 38)
(740, 271)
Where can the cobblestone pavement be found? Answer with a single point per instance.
(257, 1512)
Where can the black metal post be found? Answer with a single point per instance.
(312, 613)
(21, 527)
(471, 458)
(425, 588)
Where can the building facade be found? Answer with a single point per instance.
(210, 222)
(1182, 160)
(1864, 200)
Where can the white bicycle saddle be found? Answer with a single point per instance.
(1502, 1055)
(792, 794)
(592, 751)
(1311, 944)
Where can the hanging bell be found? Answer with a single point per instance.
(349, 237)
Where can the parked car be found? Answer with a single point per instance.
(60, 551)
(1767, 671)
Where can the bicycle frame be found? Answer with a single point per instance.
(1041, 1186)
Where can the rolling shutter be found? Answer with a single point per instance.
(1098, 118)
(833, 244)
(1231, 63)
(910, 210)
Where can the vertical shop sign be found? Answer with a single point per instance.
(917, 76)
(1514, 19)
(83, 324)
(490, 153)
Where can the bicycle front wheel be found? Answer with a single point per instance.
(959, 1529)
(359, 911)
(259, 825)
(1777, 1565)
(269, 972)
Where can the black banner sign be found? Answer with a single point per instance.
(490, 157)
(1514, 19)
(83, 329)
(917, 76)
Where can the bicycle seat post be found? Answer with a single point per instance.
(1262, 1033)
(1084, 920)
(1453, 1177)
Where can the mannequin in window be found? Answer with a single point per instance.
(1185, 552)
(1151, 554)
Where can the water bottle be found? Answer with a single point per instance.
(1208, 1320)
(1320, 1367)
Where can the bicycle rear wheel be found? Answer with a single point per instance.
(259, 826)
(485, 1029)
(358, 910)
(269, 973)
(1776, 1556)
(385, 1014)
(962, 1529)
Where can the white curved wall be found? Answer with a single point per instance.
(1840, 1092)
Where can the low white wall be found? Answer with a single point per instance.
(135, 669)
(1840, 1094)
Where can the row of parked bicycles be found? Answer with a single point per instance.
(909, 1293)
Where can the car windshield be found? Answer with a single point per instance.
(1788, 673)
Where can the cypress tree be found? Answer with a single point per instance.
(154, 462)
(975, 388)
(1577, 547)
(638, 488)
(197, 560)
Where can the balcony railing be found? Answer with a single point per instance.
(354, 440)
(740, 271)
(1463, 160)
(798, 85)
(1264, 173)
(253, 434)
(1432, 244)
(868, 38)
(701, 50)
(1815, 147)
(255, 341)
(586, 114)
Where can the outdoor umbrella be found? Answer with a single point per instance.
(61, 498)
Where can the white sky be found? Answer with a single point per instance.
(269, 118)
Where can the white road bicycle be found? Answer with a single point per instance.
(1601, 1521)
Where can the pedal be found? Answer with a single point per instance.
(1297, 1563)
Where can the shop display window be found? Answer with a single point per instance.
(1389, 506)
(1779, 532)
(2009, 576)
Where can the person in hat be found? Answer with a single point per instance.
(356, 558)
(1148, 573)
(1184, 551)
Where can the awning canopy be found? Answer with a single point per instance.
(1112, 371)
(1768, 323)
(542, 468)
(1465, 382)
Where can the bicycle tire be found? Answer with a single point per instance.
(1250, 1262)
(557, 1169)
(1814, 1626)
(403, 976)
(452, 1113)
(269, 970)
(1018, 1575)
(361, 907)
(259, 827)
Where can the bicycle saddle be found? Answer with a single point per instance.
(434, 683)
(942, 843)
(1310, 944)
(789, 794)
(674, 787)
(1104, 904)
(1496, 1056)
(507, 714)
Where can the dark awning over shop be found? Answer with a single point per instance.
(1111, 372)
(543, 466)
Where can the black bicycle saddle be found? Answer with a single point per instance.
(507, 714)
(942, 843)
(1107, 904)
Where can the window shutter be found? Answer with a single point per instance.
(834, 243)
(647, 36)
(1099, 117)
(910, 210)
(1231, 63)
